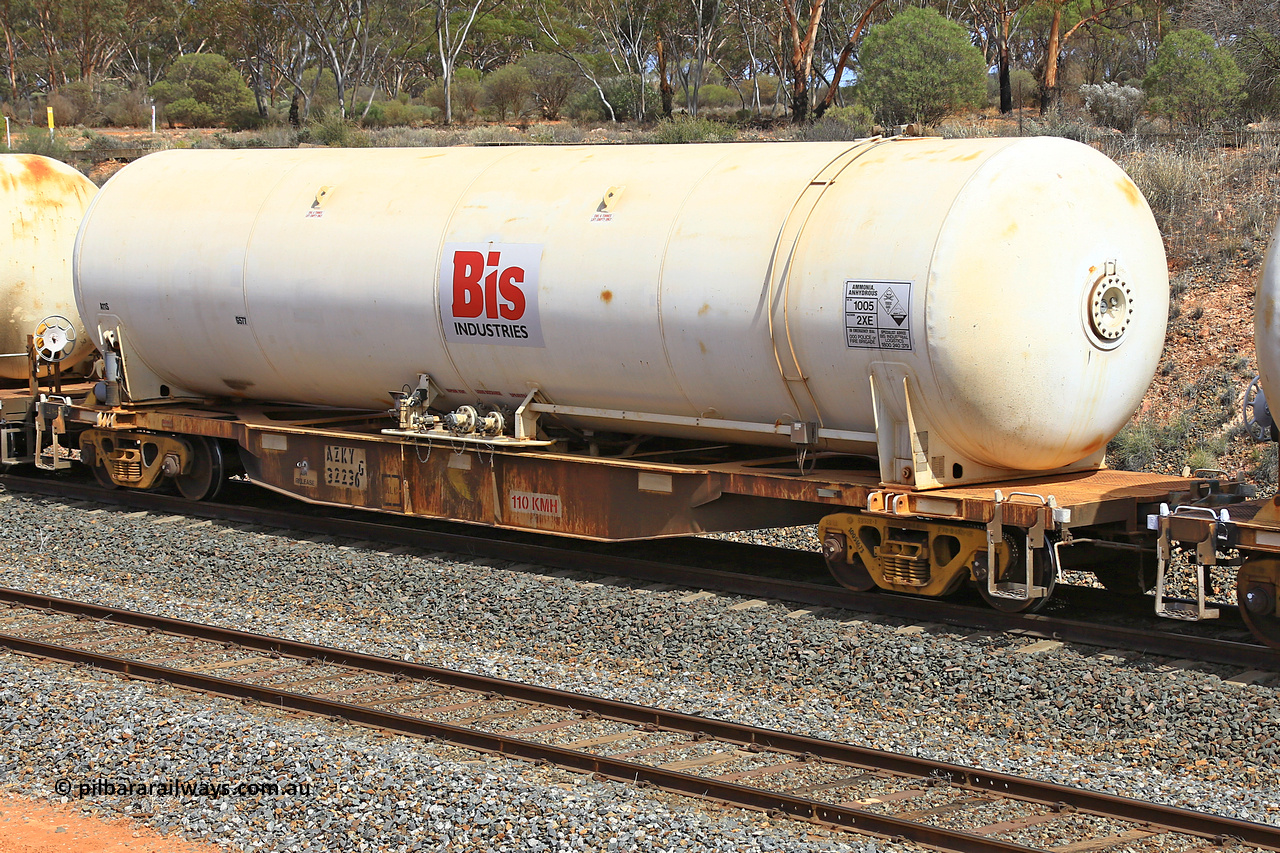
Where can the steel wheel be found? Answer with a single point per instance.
(1044, 573)
(207, 474)
(854, 576)
(104, 479)
(851, 575)
(89, 456)
(1256, 595)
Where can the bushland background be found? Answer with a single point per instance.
(1184, 95)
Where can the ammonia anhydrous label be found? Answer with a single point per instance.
(489, 293)
(877, 314)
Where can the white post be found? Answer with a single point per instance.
(153, 118)
(8, 140)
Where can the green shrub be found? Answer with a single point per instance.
(556, 134)
(712, 96)
(333, 131)
(205, 90)
(128, 105)
(507, 89)
(838, 124)
(919, 66)
(1113, 105)
(584, 105)
(466, 92)
(37, 140)
(1193, 80)
(1145, 444)
(398, 113)
(1133, 448)
(553, 80)
(492, 135)
(631, 98)
(1170, 180)
(1201, 459)
(685, 128)
(75, 103)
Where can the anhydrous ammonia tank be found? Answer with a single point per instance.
(43, 201)
(966, 307)
(1266, 324)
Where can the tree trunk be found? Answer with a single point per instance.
(13, 74)
(448, 95)
(1006, 87)
(800, 100)
(667, 91)
(845, 54)
(1049, 88)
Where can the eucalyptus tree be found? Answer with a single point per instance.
(453, 22)
(993, 22)
(570, 32)
(867, 13)
(345, 35)
(1251, 30)
(1060, 21)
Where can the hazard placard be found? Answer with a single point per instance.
(877, 314)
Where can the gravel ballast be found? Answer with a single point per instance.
(1072, 715)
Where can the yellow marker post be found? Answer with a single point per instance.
(49, 110)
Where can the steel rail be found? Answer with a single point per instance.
(563, 555)
(1095, 803)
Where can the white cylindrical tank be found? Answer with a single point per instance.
(44, 201)
(1266, 324)
(1002, 300)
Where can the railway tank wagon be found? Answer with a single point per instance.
(727, 292)
(923, 344)
(1255, 528)
(43, 201)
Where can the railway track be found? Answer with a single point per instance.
(938, 805)
(619, 562)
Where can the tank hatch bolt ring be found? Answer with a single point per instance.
(1109, 307)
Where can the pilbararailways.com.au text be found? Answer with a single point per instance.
(98, 788)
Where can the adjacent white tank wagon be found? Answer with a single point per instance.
(43, 201)
(960, 310)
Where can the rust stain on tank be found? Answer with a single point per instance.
(1131, 192)
(702, 347)
(1095, 445)
(606, 296)
(704, 309)
(1268, 310)
(48, 186)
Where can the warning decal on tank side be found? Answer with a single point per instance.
(877, 314)
(489, 293)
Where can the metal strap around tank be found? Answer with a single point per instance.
(780, 268)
